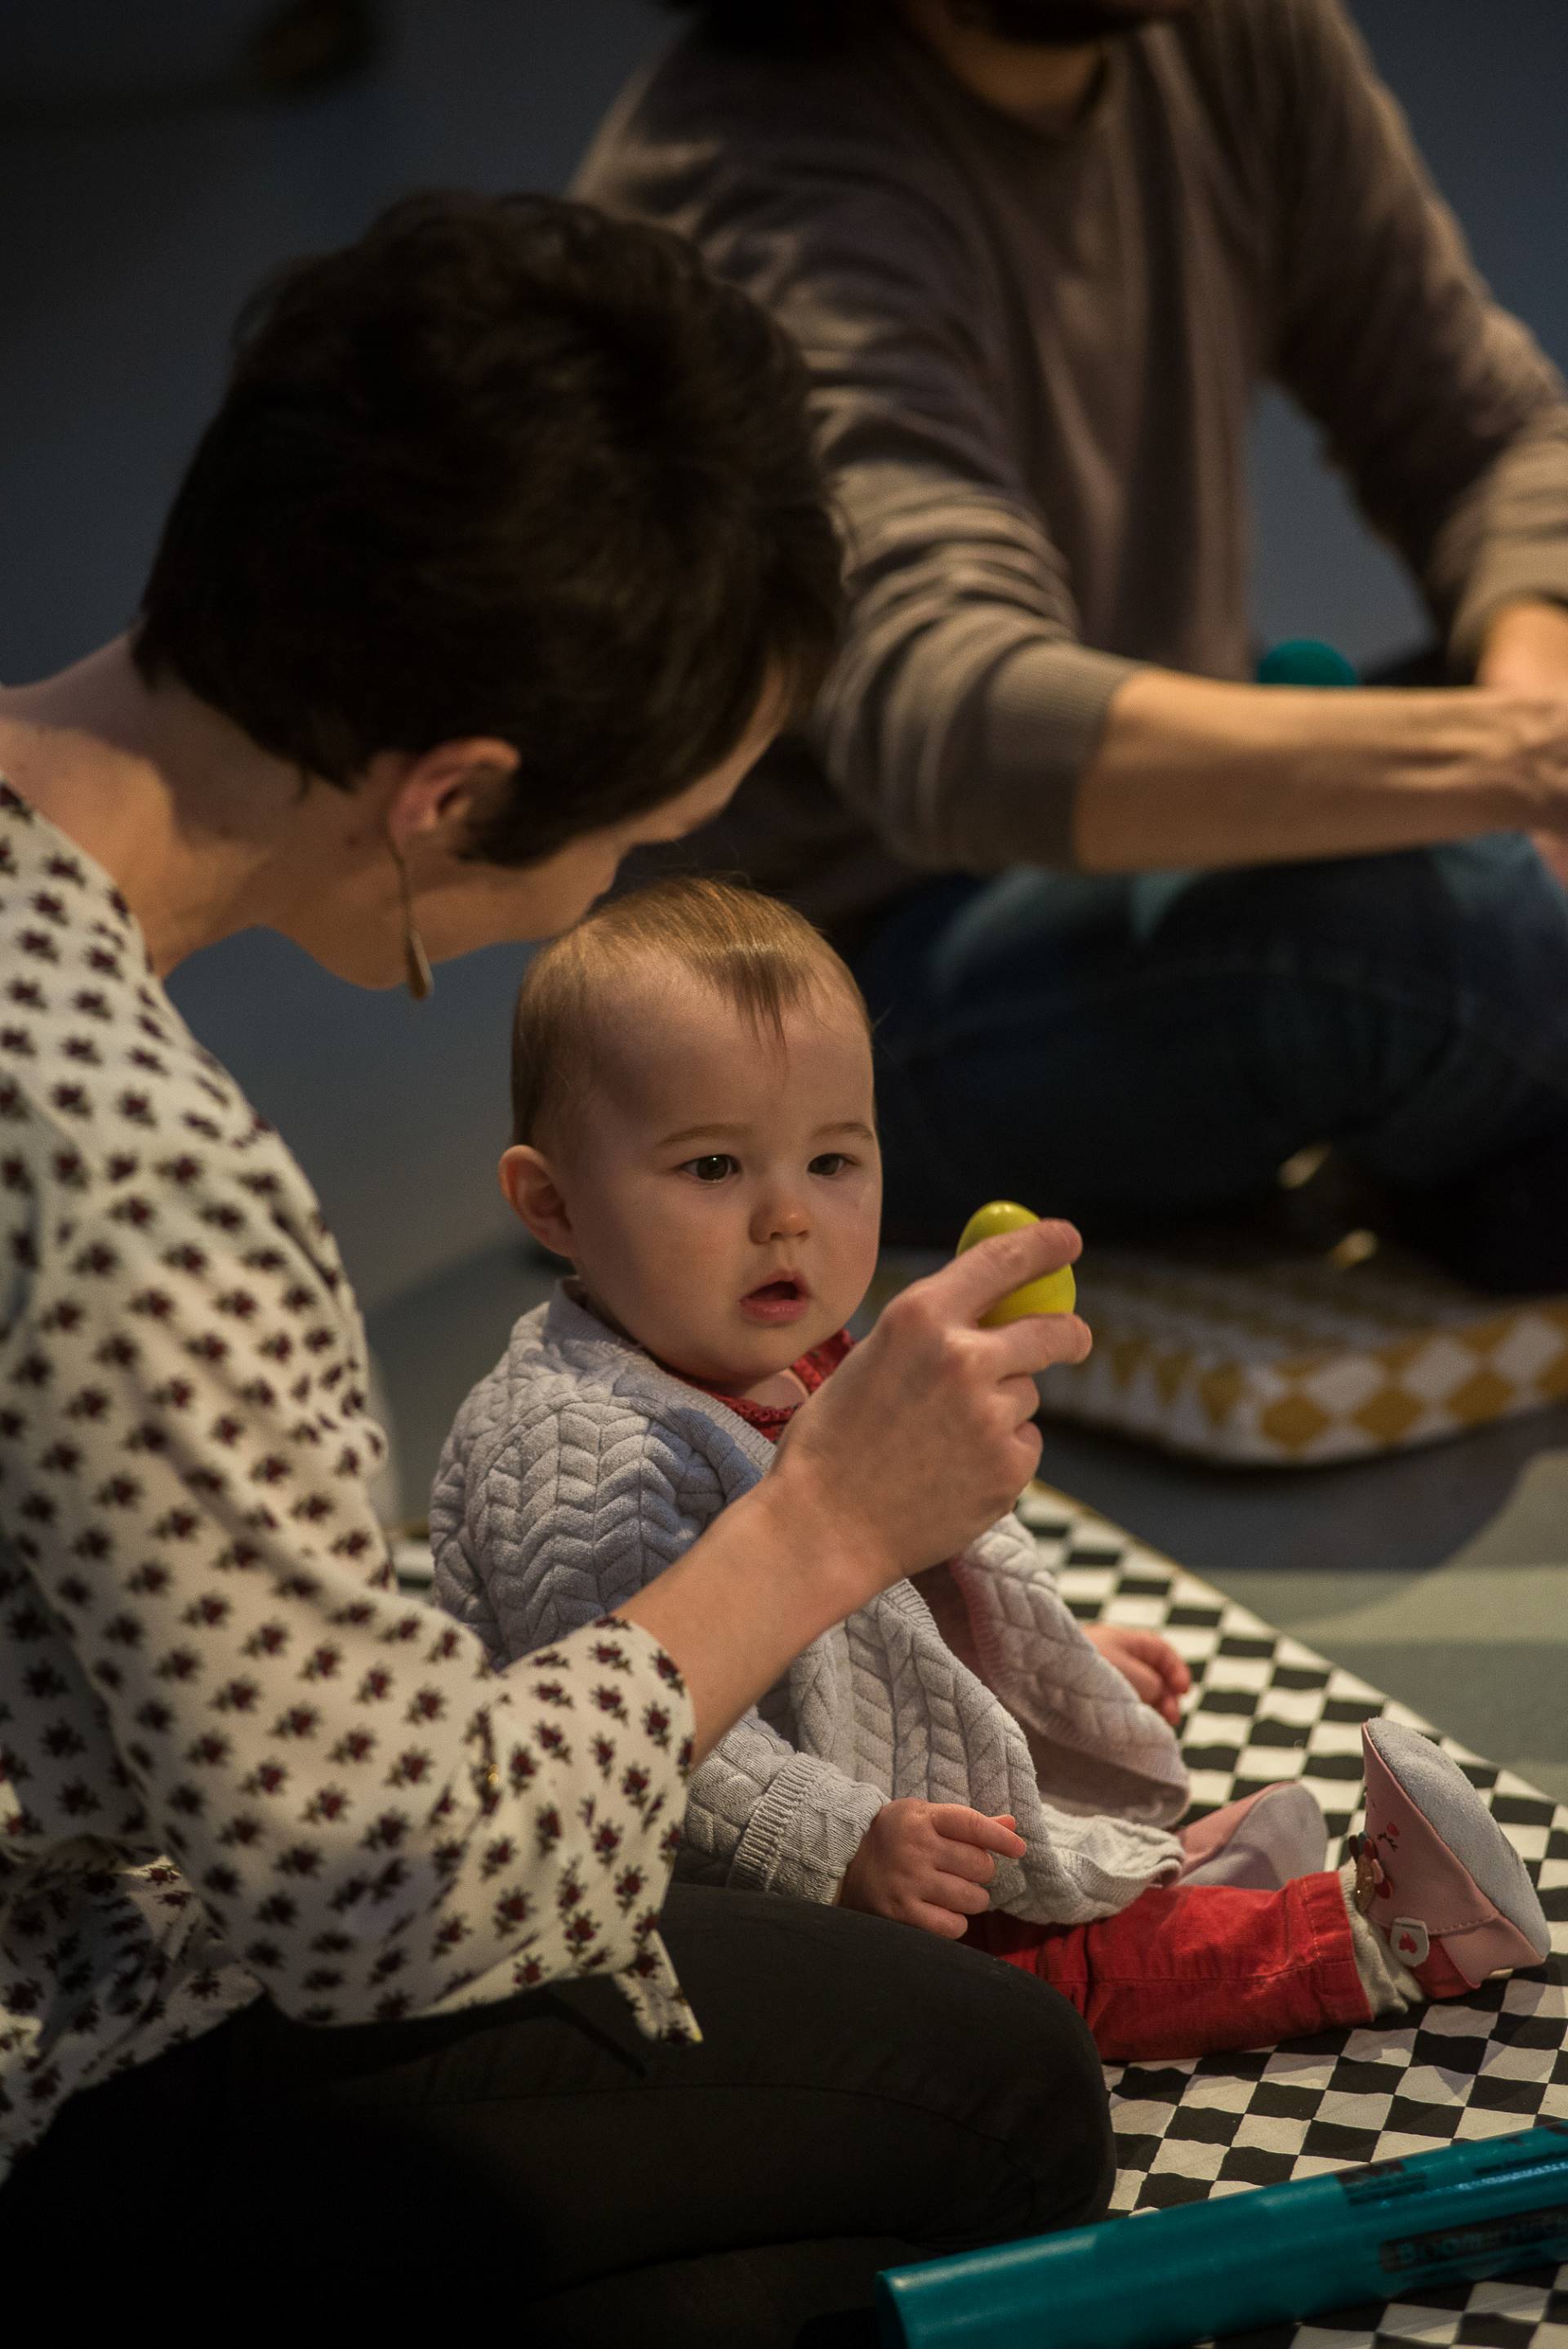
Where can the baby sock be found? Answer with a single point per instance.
(1258, 1845)
(1390, 1987)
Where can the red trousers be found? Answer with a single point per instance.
(1197, 1969)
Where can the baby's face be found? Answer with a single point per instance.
(724, 1194)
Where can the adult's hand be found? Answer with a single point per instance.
(1526, 651)
(924, 1435)
(919, 1440)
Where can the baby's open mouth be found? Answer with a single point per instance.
(784, 1298)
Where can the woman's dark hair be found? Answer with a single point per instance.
(505, 466)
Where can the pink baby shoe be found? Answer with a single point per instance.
(1259, 1843)
(1434, 1871)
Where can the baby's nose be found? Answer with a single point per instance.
(781, 1218)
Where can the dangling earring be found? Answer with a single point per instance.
(416, 961)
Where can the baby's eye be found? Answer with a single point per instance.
(830, 1163)
(715, 1168)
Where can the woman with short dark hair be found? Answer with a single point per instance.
(335, 1969)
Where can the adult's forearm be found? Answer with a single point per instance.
(1193, 773)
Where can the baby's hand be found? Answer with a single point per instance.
(928, 1864)
(1150, 1663)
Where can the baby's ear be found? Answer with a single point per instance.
(535, 1196)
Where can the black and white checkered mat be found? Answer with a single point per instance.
(1267, 1708)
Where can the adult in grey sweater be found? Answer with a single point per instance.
(1086, 875)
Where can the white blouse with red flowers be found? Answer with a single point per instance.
(232, 1759)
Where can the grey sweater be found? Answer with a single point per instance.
(1034, 358)
(579, 1469)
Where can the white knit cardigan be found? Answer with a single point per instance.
(578, 1469)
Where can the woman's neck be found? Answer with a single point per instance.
(179, 807)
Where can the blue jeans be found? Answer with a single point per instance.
(1136, 1053)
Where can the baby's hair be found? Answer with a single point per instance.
(759, 954)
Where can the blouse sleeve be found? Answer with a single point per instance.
(375, 1820)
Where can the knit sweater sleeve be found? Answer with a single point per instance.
(963, 707)
(563, 1518)
(762, 1816)
(544, 1518)
(1450, 422)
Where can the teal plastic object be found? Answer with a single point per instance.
(1305, 660)
(1277, 2253)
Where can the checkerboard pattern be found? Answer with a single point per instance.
(1267, 1708)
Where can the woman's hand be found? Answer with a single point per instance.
(928, 1864)
(924, 1435)
(1150, 1663)
(920, 1440)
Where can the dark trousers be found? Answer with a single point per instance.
(864, 2095)
(1138, 1052)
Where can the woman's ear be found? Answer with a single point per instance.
(443, 789)
(535, 1196)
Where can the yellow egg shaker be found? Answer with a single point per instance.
(1057, 1292)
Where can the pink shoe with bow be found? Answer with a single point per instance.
(1436, 1874)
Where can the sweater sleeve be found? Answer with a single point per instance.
(546, 1518)
(570, 1513)
(963, 707)
(768, 1819)
(1450, 422)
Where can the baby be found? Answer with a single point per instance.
(694, 1128)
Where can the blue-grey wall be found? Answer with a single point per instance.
(138, 210)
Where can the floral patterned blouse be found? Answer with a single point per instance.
(233, 1758)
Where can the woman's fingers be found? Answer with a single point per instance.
(990, 1270)
(1040, 1341)
(1023, 1397)
(926, 1433)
